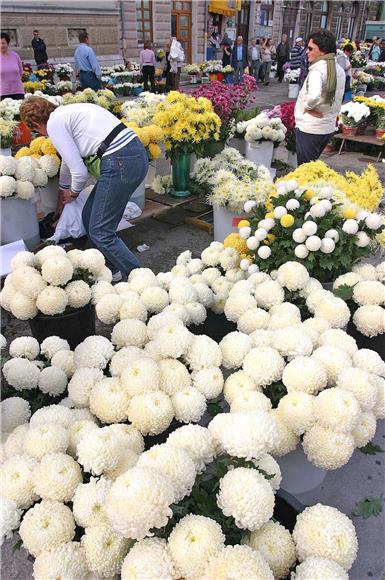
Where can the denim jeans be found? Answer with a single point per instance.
(121, 173)
(254, 69)
(238, 73)
(88, 79)
(266, 66)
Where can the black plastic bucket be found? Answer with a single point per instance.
(376, 343)
(73, 326)
(216, 326)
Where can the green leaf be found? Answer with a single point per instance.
(369, 507)
(17, 545)
(371, 449)
(344, 291)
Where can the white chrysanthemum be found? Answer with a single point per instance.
(77, 430)
(209, 382)
(184, 258)
(100, 289)
(7, 185)
(234, 347)
(46, 526)
(179, 271)
(366, 271)
(108, 308)
(148, 558)
(269, 294)
(14, 444)
(57, 414)
(21, 373)
(221, 287)
(218, 306)
(88, 502)
(141, 376)
(138, 501)
(81, 384)
(52, 345)
(264, 365)
(286, 440)
(49, 165)
(292, 342)
(104, 550)
(75, 256)
(127, 459)
(99, 450)
(339, 339)
(237, 305)
(65, 561)
(325, 532)
(261, 337)
(380, 268)
(57, 271)
(142, 278)
(129, 332)
(275, 544)
(235, 275)
(10, 518)
(334, 310)
(189, 405)
(93, 352)
(130, 437)
(250, 401)
(16, 477)
(24, 347)
(237, 384)
(211, 256)
(64, 359)
(205, 294)
(50, 251)
(252, 320)
(365, 429)
(369, 292)
(159, 321)
(53, 381)
(348, 279)
(178, 310)
(56, 477)
(154, 299)
(246, 495)
(198, 443)
(40, 178)
(125, 357)
(52, 300)
(370, 320)
(316, 297)
(182, 291)
(23, 259)
(357, 382)
(192, 542)
(79, 293)
(197, 313)
(238, 562)
(292, 275)
(327, 448)
(278, 321)
(151, 413)
(296, 411)
(104, 275)
(314, 568)
(173, 341)
(241, 287)
(379, 408)
(203, 352)
(15, 411)
(174, 463)
(174, 376)
(92, 260)
(337, 409)
(370, 361)
(133, 308)
(43, 439)
(109, 400)
(334, 361)
(286, 309)
(269, 465)
(164, 278)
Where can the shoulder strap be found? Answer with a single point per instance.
(110, 137)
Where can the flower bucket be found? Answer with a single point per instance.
(299, 476)
(213, 76)
(292, 159)
(216, 326)
(138, 91)
(73, 326)
(239, 144)
(220, 77)
(193, 79)
(293, 90)
(49, 195)
(272, 74)
(6, 152)
(212, 148)
(180, 164)
(229, 78)
(380, 133)
(150, 173)
(349, 131)
(19, 222)
(225, 222)
(260, 153)
(139, 195)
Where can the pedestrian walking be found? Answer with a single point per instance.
(87, 65)
(239, 60)
(39, 49)
(268, 53)
(344, 62)
(371, 47)
(254, 55)
(147, 64)
(283, 56)
(11, 71)
(320, 98)
(376, 50)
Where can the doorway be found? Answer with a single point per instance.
(181, 25)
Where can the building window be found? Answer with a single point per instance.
(73, 35)
(266, 14)
(144, 20)
(339, 20)
(353, 20)
(324, 15)
(12, 32)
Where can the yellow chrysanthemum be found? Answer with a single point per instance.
(287, 220)
(270, 214)
(23, 152)
(36, 144)
(349, 213)
(308, 194)
(235, 241)
(154, 150)
(243, 223)
(47, 147)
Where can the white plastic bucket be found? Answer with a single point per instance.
(6, 151)
(225, 222)
(299, 476)
(261, 153)
(239, 144)
(48, 195)
(151, 173)
(293, 90)
(292, 159)
(138, 196)
(19, 222)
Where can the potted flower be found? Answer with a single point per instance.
(64, 71)
(380, 126)
(193, 70)
(352, 115)
(261, 134)
(228, 72)
(214, 69)
(7, 128)
(292, 76)
(358, 59)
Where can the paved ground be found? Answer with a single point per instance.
(167, 236)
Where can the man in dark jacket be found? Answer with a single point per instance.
(239, 59)
(39, 49)
(283, 56)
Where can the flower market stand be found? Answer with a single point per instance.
(74, 325)
(48, 195)
(225, 222)
(19, 222)
(368, 138)
(260, 153)
(299, 475)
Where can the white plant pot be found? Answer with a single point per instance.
(138, 196)
(261, 153)
(48, 195)
(293, 90)
(193, 79)
(19, 222)
(239, 144)
(151, 173)
(292, 159)
(272, 74)
(225, 222)
(299, 476)
(6, 151)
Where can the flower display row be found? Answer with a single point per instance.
(19, 177)
(141, 110)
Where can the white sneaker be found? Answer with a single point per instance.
(117, 277)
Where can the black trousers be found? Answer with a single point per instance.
(280, 71)
(310, 146)
(148, 75)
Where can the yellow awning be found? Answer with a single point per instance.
(225, 7)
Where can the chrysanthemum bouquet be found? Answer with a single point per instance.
(292, 75)
(37, 148)
(7, 128)
(142, 110)
(262, 128)
(64, 87)
(352, 114)
(33, 86)
(64, 71)
(9, 108)
(213, 66)
(358, 59)
(192, 69)
(19, 177)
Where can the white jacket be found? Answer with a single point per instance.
(310, 97)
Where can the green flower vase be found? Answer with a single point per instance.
(180, 174)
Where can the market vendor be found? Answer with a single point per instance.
(79, 131)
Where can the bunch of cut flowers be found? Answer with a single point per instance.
(263, 128)
(19, 177)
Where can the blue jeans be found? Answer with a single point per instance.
(121, 173)
(88, 79)
(238, 73)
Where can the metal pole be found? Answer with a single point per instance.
(205, 31)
